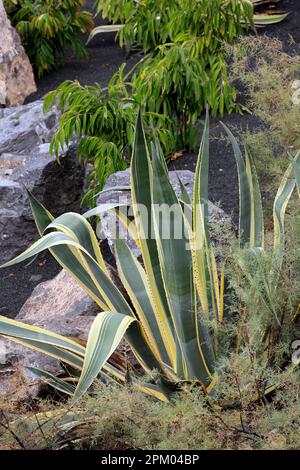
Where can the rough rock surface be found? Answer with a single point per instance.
(109, 223)
(24, 127)
(16, 75)
(25, 161)
(59, 305)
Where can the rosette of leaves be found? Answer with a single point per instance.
(175, 300)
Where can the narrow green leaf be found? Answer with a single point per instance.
(105, 335)
(244, 191)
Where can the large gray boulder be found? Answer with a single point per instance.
(16, 75)
(24, 127)
(110, 224)
(59, 305)
(25, 162)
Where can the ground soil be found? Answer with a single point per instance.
(104, 59)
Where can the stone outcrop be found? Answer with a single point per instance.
(25, 162)
(16, 75)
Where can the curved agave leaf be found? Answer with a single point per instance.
(135, 281)
(208, 285)
(108, 294)
(265, 293)
(141, 197)
(120, 213)
(282, 198)
(184, 194)
(200, 220)
(102, 208)
(114, 188)
(64, 350)
(104, 337)
(244, 191)
(177, 269)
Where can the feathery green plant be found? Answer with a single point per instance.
(177, 300)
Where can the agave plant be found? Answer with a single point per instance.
(266, 18)
(173, 296)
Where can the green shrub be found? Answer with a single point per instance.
(178, 82)
(186, 68)
(214, 22)
(10, 5)
(124, 419)
(103, 121)
(47, 27)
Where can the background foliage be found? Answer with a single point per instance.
(183, 71)
(102, 121)
(186, 69)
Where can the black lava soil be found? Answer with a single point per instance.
(104, 59)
